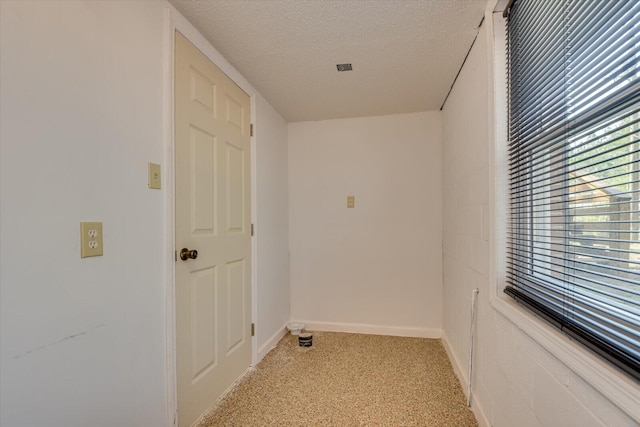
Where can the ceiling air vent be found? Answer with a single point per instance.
(344, 67)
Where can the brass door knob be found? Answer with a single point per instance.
(186, 254)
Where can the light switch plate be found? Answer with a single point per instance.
(154, 176)
(351, 202)
(90, 239)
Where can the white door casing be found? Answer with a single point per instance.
(212, 216)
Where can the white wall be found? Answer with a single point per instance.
(272, 231)
(82, 107)
(82, 111)
(517, 381)
(376, 268)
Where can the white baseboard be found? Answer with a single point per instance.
(457, 367)
(478, 411)
(262, 352)
(271, 342)
(359, 328)
(215, 404)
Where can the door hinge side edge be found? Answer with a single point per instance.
(251, 129)
(253, 329)
(252, 231)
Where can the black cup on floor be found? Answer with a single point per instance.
(305, 339)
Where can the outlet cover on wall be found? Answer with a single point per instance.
(90, 239)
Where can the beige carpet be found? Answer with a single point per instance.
(348, 380)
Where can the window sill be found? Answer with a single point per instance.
(621, 390)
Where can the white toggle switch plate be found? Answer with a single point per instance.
(90, 239)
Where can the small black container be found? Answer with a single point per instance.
(305, 339)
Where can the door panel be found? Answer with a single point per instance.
(235, 322)
(235, 179)
(203, 177)
(235, 113)
(203, 317)
(213, 214)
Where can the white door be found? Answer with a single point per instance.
(213, 214)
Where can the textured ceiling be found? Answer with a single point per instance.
(405, 53)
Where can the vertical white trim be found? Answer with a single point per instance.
(254, 239)
(169, 189)
(498, 187)
(176, 22)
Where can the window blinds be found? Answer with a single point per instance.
(573, 249)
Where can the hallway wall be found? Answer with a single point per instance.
(272, 227)
(375, 268)
(518, 380)
(82, 110)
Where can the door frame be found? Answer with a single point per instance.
(174, 21)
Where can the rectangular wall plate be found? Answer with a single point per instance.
(90, 239)
(351, 202)
(155, 177)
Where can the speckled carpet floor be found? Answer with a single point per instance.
(348, 380)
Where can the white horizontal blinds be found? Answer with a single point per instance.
(574, 148)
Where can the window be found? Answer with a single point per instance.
(573, 250)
